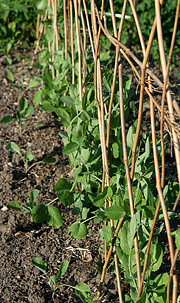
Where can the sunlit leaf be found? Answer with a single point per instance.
(40, 264)
(54, 217)
(14, 205)
(63, 268)
(13, 147)
(78, 230)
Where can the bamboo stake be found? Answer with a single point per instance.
(142, 87)
(83, 52)
(176, 202)
(37, 27)
(54, 33)
(88, 25)
(79, 48)
(114, 82)
(169, 98)
(108, 257)
(71, 39)
(171, 273)
(126, 164)
(65, 28)
(165, 88)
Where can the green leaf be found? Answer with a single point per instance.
(85, 154)
(64, 115)
(62, 184)
(39, 213)
(67, 100)
(9, 76)
(100, 199)
(50, 159)
(161, 279)
(78, 230)
(41, 5)
(82, 287)
(67, 198)
(115, 212)
(13, 147)
(14, 205)
(53, 279)
(63, 268)
(28, 156)
(40, 264)
(70, 148)
(177, 238)
(130, 137)
(48, 107)
(54, 217)
(107, 232)
(28, 112)
(33, 195)
(8, 60)
(37, 98)
(126, 239)
(23, 104)
(44, 57)
(27, 208)
(33, 83)
(115, 148)
(6, 120)
(105, 56)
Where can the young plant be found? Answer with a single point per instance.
(39, 213)
(54, 280)
(27, 156)
(13, 147)
(23, 114)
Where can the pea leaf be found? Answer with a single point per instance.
(62, 184)
(54, 217)
(14, 205)
(33, 83)
(23, 104)
(82, 287)
(40, 264)
(39, 213)
(67, 100)
(33, 195)
(63, 268)
(99, 200)
(6, 120)
(78, 230)
(37, 98)
(13, 147)
(28, 156)
(177, 238)
(70, 148)
(28, 112)
(115, 212)
(50, 159)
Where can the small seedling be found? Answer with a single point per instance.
(13, 147)
(80, 288)
(39, 213)
(23, 114)
(27, 156)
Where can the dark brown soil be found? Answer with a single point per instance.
(20, 239)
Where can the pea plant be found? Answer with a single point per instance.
(39, 213)
(118, 178)
(81, 289)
